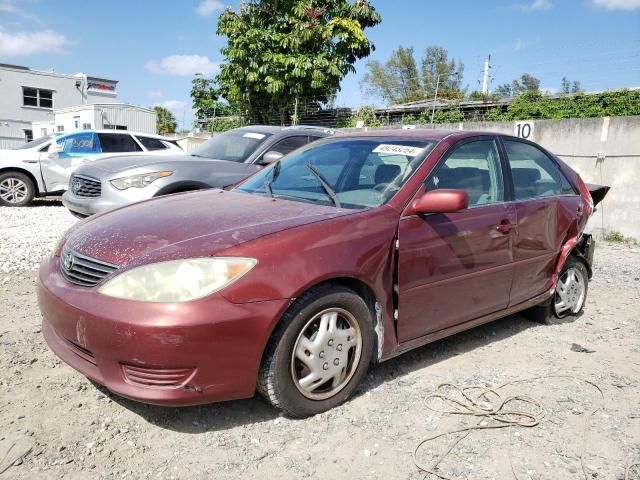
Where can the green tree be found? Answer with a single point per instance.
(282, 50)
(504, 90)
(437, 68)
(526, 84)
(204, 97)
(569, 87)
(399, 80)
(165, 121)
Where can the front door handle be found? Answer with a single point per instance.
(505, 226)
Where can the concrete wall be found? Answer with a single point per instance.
(605, 151)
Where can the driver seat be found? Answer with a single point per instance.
(386, 173)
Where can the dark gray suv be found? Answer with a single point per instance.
(221, 161)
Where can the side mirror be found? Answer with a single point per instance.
(54, 149)
(271, 157)
(440, 201)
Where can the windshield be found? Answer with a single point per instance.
(351, 173)
(234, 146)
(34, 143)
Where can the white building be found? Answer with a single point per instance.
(117, 116)
(34, 101)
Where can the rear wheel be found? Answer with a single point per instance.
(16, 189)
(569, 297)
(319, 352)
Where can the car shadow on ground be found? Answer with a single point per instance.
(226, 415)
(46, 202)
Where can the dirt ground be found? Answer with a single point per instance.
(70, 429)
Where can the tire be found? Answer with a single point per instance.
(570, 295)
(335, 361)
(16, 189)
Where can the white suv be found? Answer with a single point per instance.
(43, 167)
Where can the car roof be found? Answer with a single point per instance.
(308, 129)
(418, 133)
(122, 132)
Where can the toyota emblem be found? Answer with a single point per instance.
(68, 261)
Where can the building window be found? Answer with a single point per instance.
(43, 132)
(37, 97)
(60, 128)
(86, 126)
(28, 135)
(76, 123)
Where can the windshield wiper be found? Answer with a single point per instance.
(331, 193)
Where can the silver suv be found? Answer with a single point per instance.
(221, 161)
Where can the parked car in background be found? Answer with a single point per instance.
(42, 167)
(350, 250)
(221, 161)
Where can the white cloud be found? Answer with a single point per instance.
(10, 7)
(536, 6)
(175, 105)
(154, 93)
(207, 7)
(617, 4)
(520, 45)
(20, 44)
(183, 65)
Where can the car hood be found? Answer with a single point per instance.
(129, 162)
(192, 224)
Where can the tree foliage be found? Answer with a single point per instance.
(165, 121)
(569, 87)
(399, 80)
(280, 50)
(205, 99)
(532, 105)
(527, 83)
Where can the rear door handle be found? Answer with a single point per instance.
(505, 226)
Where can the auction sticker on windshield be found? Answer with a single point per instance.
(257, 136)
(398, 149)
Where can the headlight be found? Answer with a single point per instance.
(177, 280)
(138, 181)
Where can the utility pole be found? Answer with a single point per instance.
(485, 76)
(435, 97)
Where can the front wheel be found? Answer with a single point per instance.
(319, 352)
(16, 189)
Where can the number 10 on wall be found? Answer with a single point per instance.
(524, 130)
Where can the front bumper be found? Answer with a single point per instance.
(109, 199)
(189, 353)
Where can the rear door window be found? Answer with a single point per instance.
(116, 143)
(151, 143)
(289, 144)
(534, 174)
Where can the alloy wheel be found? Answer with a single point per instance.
(13, 190)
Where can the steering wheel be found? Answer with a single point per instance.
(384, 186)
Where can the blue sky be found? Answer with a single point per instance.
(154, 47)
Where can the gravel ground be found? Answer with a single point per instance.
(71, 429)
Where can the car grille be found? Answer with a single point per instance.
(82, 270)
(82, 186)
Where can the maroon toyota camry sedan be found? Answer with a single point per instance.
(349, 251)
